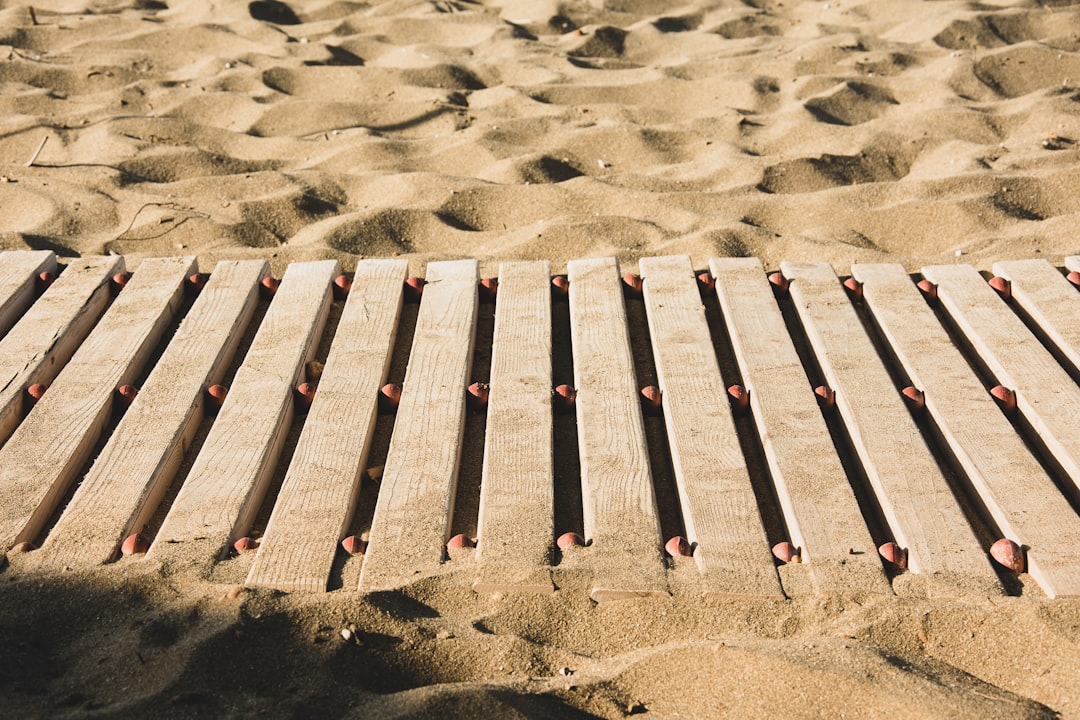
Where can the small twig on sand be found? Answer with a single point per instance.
(187, 213)
(40, 147)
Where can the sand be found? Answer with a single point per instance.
(841, 131)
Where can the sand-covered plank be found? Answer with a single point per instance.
(1047, 398)
(820, 510)
(719, 507)
(43, 456)
(1020, 497)
(126, 483)
(36, 349)
(416, 495)
(18, 282)
(917, 503)
(516, 518)
(621, 522)
(322, 485)
(227, 482)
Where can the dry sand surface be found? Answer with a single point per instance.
(841, 131)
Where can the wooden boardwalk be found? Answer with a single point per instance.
(879, 434)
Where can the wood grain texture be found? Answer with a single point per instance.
(416, 495)
(228, 479)
(126, 483)
(18, 282)
(820, 510)
(1020, 497)
(1051, 302)
(1046, 397)
(620, 515)
(43, 456)
(517, 506)
(36, 349)
(322, 485)
(719, 507)
(918, 505)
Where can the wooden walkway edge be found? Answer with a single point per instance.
(42, 342)
(46, 452)
(19, 270)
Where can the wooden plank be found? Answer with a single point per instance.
(820, 510)
(1050, 302)
(43, 456)
(1019, 495)
(1046, 397)
(719, 508)
(18, 282)
(321, 488)
(416, 496)
(228, 479)
(620, 515)
(129, 478)
(923, 514)
(517, 506)
(36, 349)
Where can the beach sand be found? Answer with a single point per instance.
(842, 131)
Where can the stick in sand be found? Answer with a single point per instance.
(40, 147)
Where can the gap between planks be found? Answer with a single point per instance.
(222, 492)
(923, 514)
(416, 494)
(44, 455)
(126, 483)
(322, 485)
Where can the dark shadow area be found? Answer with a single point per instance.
(668, 507)
(772, 518)
(273, 11)
(569, 511)
(466, 509)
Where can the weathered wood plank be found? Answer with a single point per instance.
(416, 496)
(1050, 302)
(319, 494)
(517, 507)
(1020, 497)
(621, 521)
(227, 482)
(125, 485)
(1072, 262)
(18, 282)
(1046, 397)
(820, 510)
(36, 349)
(43, 456)
(918, 505)
(719, 507)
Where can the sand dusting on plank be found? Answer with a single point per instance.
(842, 131)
